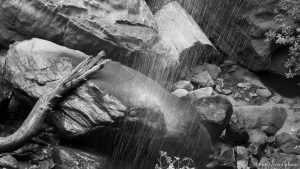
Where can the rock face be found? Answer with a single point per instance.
(237, 27)
(135, 111)
(88, 26)
(182, 43)
(126, 31)
(216, 113)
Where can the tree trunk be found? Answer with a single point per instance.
(50, 99)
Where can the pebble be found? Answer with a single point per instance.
(180, 92)
(264, 93)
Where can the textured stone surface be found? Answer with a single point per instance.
(216, 113)
(118, 101)
(200, 93)
(237, 27)
(271, 119)
(180, 92)
(182, 43)
(203, 79)
(86, 25)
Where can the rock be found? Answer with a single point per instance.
(244, 75)
(180, 92)
(117, 103)
(257, 137)
(66, 158)
(292, 147)
(216, 112)
(183, 84)
(252, 95)
(177, 50)
(239, 27)
(218, 88)
(284, 138)
(203, 79)
(255, 117)
(242, 157)
(200, 93)
(88, 26)
(245, 85)
(271, 140)
(275, 99)
(292, 122)
(229, 155)
(9, 162)
(226, 91)
(213, 70)
(264, 92)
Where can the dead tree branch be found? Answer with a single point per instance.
(46, 103)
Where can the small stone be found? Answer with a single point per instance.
(247, 99)
(218, 88)
(183, 84)
(220, 82)
(257, 137)
(264, 92)
(252, 95)
(213, 70)
(242, 158)
(200, 93)
(245, 85)
(275, 99)
(9, 162)
(270, 139)
(203, 79)
(227, 91)
(180, 92)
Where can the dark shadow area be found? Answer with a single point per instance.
(286, 87)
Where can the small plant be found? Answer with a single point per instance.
(289, 35)
(166, 162)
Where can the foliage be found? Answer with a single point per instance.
(289, 34)
(166, 162)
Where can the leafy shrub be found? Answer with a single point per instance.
(166, 162)
(289, 34)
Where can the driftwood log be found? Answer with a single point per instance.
(50, 99)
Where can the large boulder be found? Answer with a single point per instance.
(268, 118)
(126, 31)
(237, 27)
(181, 45)
(89, 26)
(127, 110)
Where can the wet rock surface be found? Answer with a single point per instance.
(88, 26)
(65, 158)
(114, 100)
